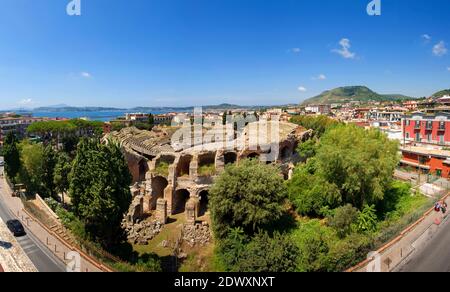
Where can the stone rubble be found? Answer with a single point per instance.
(197, 235)
(141, 232)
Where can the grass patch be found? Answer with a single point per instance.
(162, 169)
(207, 170)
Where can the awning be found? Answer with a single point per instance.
(415, 164)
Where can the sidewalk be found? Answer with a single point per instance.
(57, 246)
(394, 254)
(12, 256)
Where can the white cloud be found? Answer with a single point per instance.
(295, 50)
(440, 49)
(320, 77)
(86, 74)
(26, 101)
(302, 89)
(344, 51)
(426, 38)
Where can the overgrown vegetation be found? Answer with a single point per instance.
(207, 170)
(344, 198)
(162, 168)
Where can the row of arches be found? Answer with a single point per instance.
(180, 197)
(183, 166)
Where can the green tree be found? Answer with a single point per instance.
(11, 156)
(261, 253)
(343, 219)
(48, 170)
(307, 149)
(359, 162)
(31, 156)
(151, 119)
(61, 174)
(248, 195)
(367, 219)
(269, 254)
(352, 165)
(310, 193)
(99, 189)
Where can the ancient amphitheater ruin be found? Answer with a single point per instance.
(169, 181)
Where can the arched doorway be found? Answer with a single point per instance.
(230, 158)
(180, 200)
(285, 152)
(143, 168)
(203, 208)
(183, 166)
(159, 184)
(253, 155)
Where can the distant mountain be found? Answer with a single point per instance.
(74, 109)
(352, 93)
(66, 108)
(441, 93)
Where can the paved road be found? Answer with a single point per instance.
(435, 256)
(38, 253)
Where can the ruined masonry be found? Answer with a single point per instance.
(169, 182)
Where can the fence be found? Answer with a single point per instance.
(391, 255)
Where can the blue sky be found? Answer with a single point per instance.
(127, 53)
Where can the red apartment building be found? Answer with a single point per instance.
(425, 142)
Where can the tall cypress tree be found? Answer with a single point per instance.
(12, 156)
(99, 190)
(48, 170)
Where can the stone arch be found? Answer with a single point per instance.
(253, 155)
(183, 167)
(180, 199)
(203, 195)
(159, 184)
(206, 164)
(285, 152)
(230, 158)
(162, 164)
(143, 168)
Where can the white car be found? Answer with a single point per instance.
(2, 163)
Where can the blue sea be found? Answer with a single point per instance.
(103, 116)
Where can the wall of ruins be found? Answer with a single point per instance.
(182, 182)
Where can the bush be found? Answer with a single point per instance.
(261, 253)
(249, 195)
(343, 219)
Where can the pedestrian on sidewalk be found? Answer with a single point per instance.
(437, 207)
(444, 207)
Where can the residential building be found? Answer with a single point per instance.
(429, 129)
(425, 142)
(323, 109)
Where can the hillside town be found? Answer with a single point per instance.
(422, 126)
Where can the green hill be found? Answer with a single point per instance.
(441, 93)
(352, 93)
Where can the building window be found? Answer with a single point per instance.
(408, 122)
(417, 137)
(429, 137)
(441, 139)
(407, 135)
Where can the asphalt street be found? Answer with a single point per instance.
(38, 253)
(435, 256)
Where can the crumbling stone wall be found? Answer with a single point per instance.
(182, 183)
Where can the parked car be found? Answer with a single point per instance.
(2, 163)
(16, 228)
